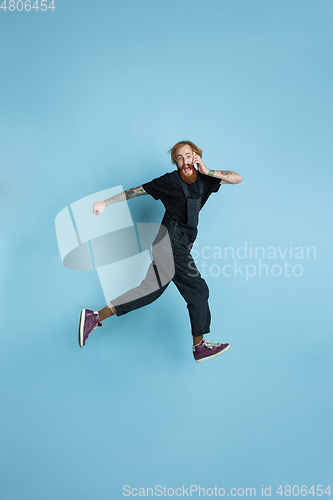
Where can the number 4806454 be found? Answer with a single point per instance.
(26, 5)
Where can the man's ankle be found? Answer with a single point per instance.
(197, 339)
(106, 312)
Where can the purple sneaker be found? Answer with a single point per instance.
(206, 349)
(88, 322)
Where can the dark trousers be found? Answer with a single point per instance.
(187, 279)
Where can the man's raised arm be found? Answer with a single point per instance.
(226, 176)
(100, 206)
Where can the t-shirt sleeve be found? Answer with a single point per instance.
(160, 187)
(216, 184)
(212, 184)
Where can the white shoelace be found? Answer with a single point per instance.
(92, 329)
(210, 344)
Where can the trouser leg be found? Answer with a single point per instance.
(142, 295)
(193, 289)
(159, 275)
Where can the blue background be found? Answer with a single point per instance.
(92, 96)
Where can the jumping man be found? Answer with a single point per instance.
(183, 193)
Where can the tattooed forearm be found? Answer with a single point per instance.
(226, 176)
(223, 173)
(125, 195)
(115, 199)
(132, 193)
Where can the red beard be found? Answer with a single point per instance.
(190, 178)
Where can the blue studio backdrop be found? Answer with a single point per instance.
(93, 95)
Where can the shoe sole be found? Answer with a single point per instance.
(213, 355)
(81, 327)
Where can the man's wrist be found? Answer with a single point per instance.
(210, 172)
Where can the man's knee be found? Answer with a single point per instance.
(204, 290)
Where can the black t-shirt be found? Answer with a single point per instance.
(168, 189)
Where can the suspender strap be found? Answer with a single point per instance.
(185, 188)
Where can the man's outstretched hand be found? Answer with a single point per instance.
(98, 207)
